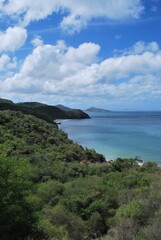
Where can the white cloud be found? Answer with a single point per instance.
(37, 41)
(59, 70)
(13, 63)
(4, 60)
(125, 66)
(7, 63)
(78, 13)
(83, 11)
(139, 48)
(86, 53)
(12, 38)
(51, 68)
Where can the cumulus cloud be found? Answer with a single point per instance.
(81, 12)
(12, 38)
(139, 48)
(4, 60)
(60, 70)
(78, 13)
(7, 63)
(52, 68)
(124, 66)
(37, 41)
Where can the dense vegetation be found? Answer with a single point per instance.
(53, 189)
(42, 111)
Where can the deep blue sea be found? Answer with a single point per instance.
(119, 134)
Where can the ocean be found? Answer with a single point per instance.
(119, 134)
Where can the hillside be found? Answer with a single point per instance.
(42, 111)
(2, 100)
(94, 109)
(38, 136)
(54, 189)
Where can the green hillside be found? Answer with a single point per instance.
(54, 189)
(42, 111)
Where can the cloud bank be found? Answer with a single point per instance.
(60, 70)
(64, 71)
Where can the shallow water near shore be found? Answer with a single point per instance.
(119, 134)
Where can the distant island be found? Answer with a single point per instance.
(94, 109)
(91, 109)
(42, 111)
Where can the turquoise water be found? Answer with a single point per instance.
(119, 134)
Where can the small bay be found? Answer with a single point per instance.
(119, 134)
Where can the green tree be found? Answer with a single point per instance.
(16, 214)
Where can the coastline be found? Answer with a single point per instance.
(117, 134)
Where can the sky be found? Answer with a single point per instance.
(82, 53)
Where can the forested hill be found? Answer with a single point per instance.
(54, 189)
(33, 153)
(26, 135)
(42, 111)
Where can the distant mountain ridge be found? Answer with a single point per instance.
(42, 111)
(94, 109)
(62, 107)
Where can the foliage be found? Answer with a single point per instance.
(16, 213)
(52, 188)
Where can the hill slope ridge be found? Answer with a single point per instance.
(42, 111)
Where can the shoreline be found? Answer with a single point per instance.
(107, 159)
(131, 142)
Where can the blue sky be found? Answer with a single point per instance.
(82, 53)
